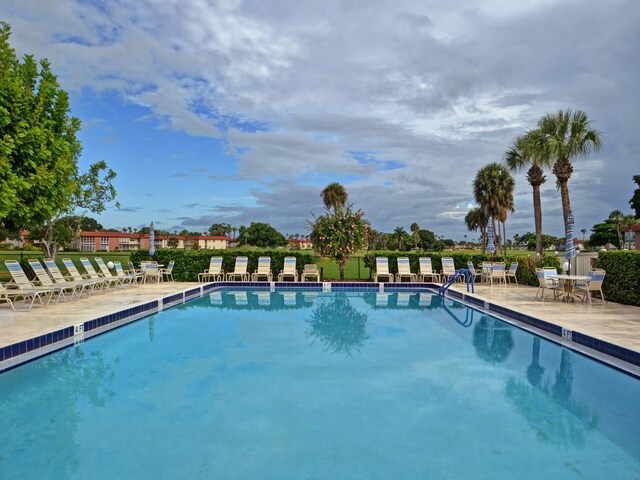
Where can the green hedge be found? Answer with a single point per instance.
(189, 263)
(525, 274)
(622, 282)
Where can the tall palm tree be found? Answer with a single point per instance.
(398, 234)
(566, 136)
(334, 196)
(525, 153)
(415, 230)
(584, 231)
(493, 190)
(476, 219)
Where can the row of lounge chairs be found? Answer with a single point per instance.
(216, 273)
(491, 272)
(50, 283)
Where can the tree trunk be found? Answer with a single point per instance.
(537, 215)
(563, 169)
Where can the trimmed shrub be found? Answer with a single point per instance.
(189, 263)
(622, 282)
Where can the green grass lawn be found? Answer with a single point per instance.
(354, 270)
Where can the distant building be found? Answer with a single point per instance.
(632, 237)
(299, 244)
(120, 241)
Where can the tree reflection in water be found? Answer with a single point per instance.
(537, 400)
(492, 339)
(339, 326)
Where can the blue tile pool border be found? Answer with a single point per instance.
(25, 351)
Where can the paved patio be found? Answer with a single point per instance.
(614, 323)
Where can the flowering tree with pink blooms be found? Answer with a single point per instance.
(339, 234)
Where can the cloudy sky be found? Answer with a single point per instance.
(238, 111)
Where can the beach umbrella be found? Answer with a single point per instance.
(570, 246)
(491, 241)
(152, 239)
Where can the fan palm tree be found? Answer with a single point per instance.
(334, 196)
(523, 154)
(493, 190)
(398, 234)
(566, 136)
(476, 219)
(415, 230)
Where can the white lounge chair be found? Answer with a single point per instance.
(126, 277)
(426, 270)
(21, 286)
(93, 275)
(310, 272)
(214, 273)
(106, 273)
(65, 291)
(404, 270)
(263, 271)
(448, 268)
(382, 269)
(240, 270)
(289, 270)
(75, 275)
(81, 286)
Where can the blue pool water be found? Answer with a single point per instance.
(318, 386)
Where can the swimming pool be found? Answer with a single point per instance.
(309, 384)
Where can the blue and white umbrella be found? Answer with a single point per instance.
(570, 246)
(152, 240)
(491, 241)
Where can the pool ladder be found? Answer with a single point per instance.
(463, 272)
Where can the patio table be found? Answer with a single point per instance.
(569, 283)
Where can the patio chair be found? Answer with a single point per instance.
(404, 270)
(474, 272)
(485, 275)
(93, 275)
(44, 280)
(310, 272)
(594, 284)
(263, 270)
(448, 268)
(81, 286)
(151, 271)
(166, 273)
(547, 281)
(511, 273)
(214, 273)
(289, 270)
(126, 277)
(137, 273)
(106, 273)
(239, 270)
(5, 297)
(21, 286)
(382, 269)
(498, 273)
(74, 274)
(426, 270)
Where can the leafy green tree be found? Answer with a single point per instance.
(339, 235)
(172, 242)
(526, 153)
(334, 196)
(261, 235)
(635, 200)
(220, 229)
(564, 137)
(39, 151)
(430, 242)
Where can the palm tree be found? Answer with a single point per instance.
(584, 231)
(523, 154)
(566, 136)
(399, 234)
(415, 229)
(493, 190)
(477, 219)
(334, 196)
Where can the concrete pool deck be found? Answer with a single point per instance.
(611, 322)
